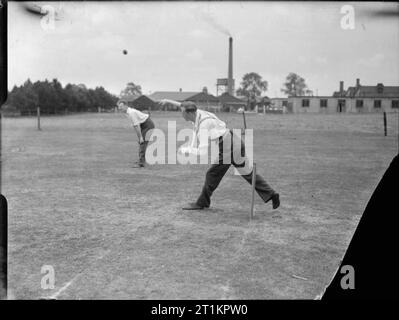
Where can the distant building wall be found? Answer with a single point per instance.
(329, 105)
(374, 105)
(311, 105)
(277, 102)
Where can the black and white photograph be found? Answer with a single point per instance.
(193, 150)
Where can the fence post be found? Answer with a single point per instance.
(385, 123)
(38, 118)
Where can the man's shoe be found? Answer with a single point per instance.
(138, 165)
(276, 200)
(193, 206)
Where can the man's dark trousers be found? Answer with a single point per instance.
(217, 171)
(146, 126)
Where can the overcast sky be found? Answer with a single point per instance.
(174, 45)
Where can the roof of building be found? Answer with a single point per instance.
(143, 102)
(337, 94)
(262, 99)
(202, 97)
(139, 102)
(227, 98)
(172, 95)
(350, 92)
(373, 92)
(377, 91)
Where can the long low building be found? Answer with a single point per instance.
(357, 99)
(343, 105)
(203, 99)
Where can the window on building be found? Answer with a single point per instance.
(285, 103)
(323, 103)
(359, 103)
(377, 103)
(305, 103)
(395, 104)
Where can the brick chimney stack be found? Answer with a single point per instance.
(230, 80)
(341, 87)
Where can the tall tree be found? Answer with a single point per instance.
(131, 90)
(23, 98)
(295, 86)
(83, 98)
(252, 85)
(31, 97)
(71, 98)
(42, 89)
(60, 99)
(17, 99)
(105, 100)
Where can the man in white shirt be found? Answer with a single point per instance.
(143, 125)
(216, 131)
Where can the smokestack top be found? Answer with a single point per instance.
(341, 86)
(230, 81)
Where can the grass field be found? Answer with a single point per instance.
(111, 231)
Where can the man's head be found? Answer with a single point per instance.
(189, 110)
(122, 106)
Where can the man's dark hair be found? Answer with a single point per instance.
(188, 106)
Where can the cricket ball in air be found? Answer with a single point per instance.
(124, 51)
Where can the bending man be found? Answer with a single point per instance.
(142, 124)
(217, 131)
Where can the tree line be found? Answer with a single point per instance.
(53, 98)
